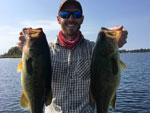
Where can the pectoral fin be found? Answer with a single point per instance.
(49, 99)
(19, 68)
(123, 65)
(24, 103)
(113, 102)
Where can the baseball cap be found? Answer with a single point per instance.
(65, 2)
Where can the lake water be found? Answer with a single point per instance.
(133, 95)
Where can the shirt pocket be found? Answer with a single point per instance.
(83, 69)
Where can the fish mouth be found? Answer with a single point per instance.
(112, 34)
(32, 33)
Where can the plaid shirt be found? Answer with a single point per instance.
(70, 78)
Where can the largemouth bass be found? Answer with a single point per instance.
(36, 71)
(105, 70)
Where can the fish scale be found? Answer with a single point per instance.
(36, 72)
(105, 70)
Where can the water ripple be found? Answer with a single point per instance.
(133, 94)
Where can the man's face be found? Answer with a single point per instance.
(70, 26)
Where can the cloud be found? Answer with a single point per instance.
(9, 33)
(47, 25)
(8, 30)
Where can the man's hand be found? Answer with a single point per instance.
(21, 40)
(122, 39)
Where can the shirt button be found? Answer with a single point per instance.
(70, 91)
(70, 77)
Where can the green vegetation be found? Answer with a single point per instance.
(13, 52)
(135, 51)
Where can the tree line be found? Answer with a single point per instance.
(135, 51)
(14, 52)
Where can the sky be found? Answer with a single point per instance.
(134, 15)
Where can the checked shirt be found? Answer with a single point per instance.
(70, 78)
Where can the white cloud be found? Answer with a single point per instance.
(47, 25)
(8, 37)
(9, 33)
(8, 30)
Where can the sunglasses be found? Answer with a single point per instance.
(67, 14)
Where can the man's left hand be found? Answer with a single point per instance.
(122, 39)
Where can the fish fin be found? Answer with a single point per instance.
(113, 102)
(92, 100)
(49, 99)
(24, 103)
(19, 68)
(123, 65)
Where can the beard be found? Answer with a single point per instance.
(70, 28)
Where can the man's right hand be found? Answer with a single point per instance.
(21, 40)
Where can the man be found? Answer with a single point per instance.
(71, 54)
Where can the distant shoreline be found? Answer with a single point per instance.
(120, 53)
(9, 57)
(135, 51)
(14, 52)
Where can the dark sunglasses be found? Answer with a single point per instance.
(67, 14)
